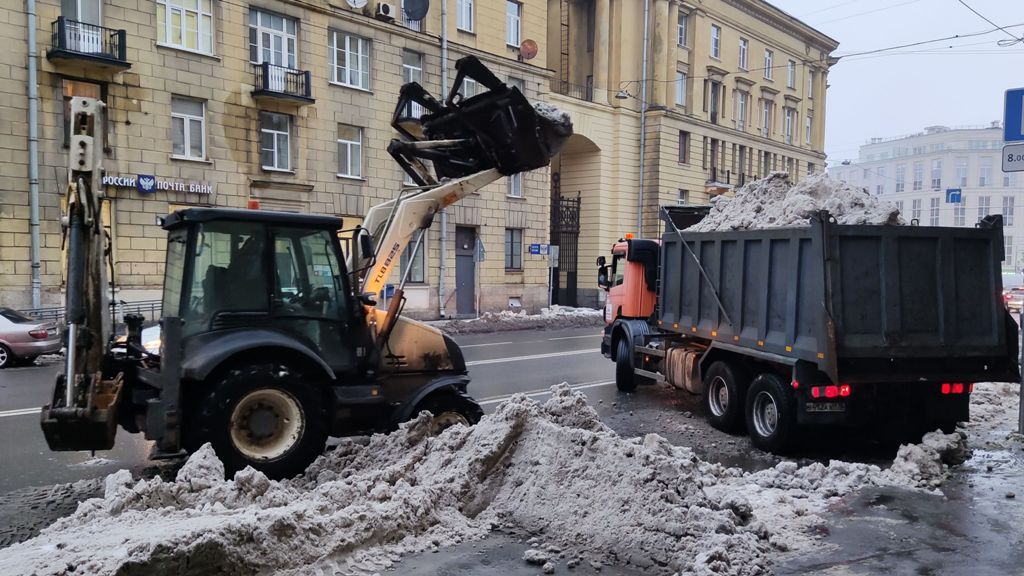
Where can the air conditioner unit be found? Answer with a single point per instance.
(385, 11)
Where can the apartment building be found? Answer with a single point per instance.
(944, 176)
(275, 104)
(732, 90)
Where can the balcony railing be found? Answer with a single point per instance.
(282, 83)
(577, 91)
(718, 176)
(71, 40)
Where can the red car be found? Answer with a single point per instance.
(22, 338)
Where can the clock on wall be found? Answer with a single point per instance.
(356, 3)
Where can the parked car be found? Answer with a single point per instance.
(22, 338)
(1014, 298)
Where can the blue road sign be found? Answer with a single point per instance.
(952, 195)
(1013, 115)
(534, 248)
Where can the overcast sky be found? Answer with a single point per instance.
(950, 83)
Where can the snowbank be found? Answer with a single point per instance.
(554, 317)
(550, 469)
(774, 202)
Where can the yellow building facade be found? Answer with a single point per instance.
(733, 90)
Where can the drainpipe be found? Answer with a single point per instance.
(33, 150)
(442, 245)
(643, 122)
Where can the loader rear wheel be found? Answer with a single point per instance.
(724, 389)
(264, 416)
(625, 378)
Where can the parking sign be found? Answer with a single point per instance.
(1013, 115)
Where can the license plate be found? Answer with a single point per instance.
(826, 407)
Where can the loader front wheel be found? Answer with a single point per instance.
(449, 410)
(264, 416)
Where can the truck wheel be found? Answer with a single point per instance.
(449, 410)
(625, 379)
(724, 388)
(6, 357)
(771, 414)
(264, 416)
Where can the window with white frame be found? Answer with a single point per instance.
(415, 25)
(464, 15)
(808, 129)
(769, 57)
(680, 88)
(1008, 179)
(275, 141)
(918, 175)
(985, 172)
(681, 29)
(880, 176)
(960, 212)
(742, 100)
(515, 185)
(272, 39)
(767, 113)
(350, 60)
(915, 211)
(810, 85)
(185, 24)
(518, 83)
(469, 87)
(790, 124)
(513, 22)
(791, 74)
(188, 129)
(984, 206)
(414, 270)
(1008, 247)
(1007, 210)
(513, 248)
(682, 197)
(933, 216)
(744, 49)
(936, 174)
(716, 41)
(901, 177)
(412, 71)
(961, 171)
(350, 151)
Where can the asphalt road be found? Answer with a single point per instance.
(500, 364)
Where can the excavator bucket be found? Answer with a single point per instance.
(496, 128)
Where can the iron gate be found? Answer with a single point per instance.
(565, 233)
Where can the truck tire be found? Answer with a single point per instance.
(264, 416)
(448, 410)
(724, 388)
(771, 414)
(625, 379)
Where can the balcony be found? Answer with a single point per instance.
(718, 182)
(81, 43)
(280, 84)
(577, 91)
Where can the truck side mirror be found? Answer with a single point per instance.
(601, 261)
(602, 277)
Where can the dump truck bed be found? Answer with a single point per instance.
(862, 302)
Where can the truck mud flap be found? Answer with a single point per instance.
(90, 428)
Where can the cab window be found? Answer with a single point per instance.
(618, 269)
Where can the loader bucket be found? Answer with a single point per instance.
(90, 428)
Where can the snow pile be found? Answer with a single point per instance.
(994, 416)
(550, 469)
(557, 310)
(554, 317)
(774, 202)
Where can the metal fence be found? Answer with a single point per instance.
(149, 309)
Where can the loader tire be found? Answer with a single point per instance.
(725, 386)
(449, 409)
(264, 416)
(625, 378)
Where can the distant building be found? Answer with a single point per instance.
(921, 173)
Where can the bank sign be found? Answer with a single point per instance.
(147, 184)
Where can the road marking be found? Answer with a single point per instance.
(531, 357)
(21, 412)
(479, 345)
(575, 337)
(543, 392)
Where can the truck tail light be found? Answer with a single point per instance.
(841, 391)
(956, 388)
(39, 334)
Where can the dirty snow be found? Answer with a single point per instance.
(554, 317)
(550, 469)
(774, 202)
(552, 113)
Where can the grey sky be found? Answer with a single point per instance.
(903, 91)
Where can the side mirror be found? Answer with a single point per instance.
(365, 246)
(601, 261)
(602, 278)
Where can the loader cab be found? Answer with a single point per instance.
(630, 279)
(230, 271)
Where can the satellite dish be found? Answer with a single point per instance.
(528, 49)
(416, 9)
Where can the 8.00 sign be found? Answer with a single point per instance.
(1013, 158)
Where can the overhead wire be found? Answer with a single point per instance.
(1004, 43)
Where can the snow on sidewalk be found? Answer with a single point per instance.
(554, 317)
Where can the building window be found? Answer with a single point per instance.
(464, 15)
(272, 40)
(790, 123)
(984, 204)
(715, 89)
(744, 49)
(901, 177)
(1008, 246)
(350, 151)
(766, 118)
(936, 174)
(513, 23)
(808, 129)
(960, 213)
(741, 110)
(1007, 210)
(716, 41)
(680, 88)
(412, 71)
(416, 270)
(275, 141)
(414, 25)
(934, 212)
(918, 175)
(188, 129)
(350, 59)
(1007, 179)
(899, 206)
(72, 88)
(915, 211)
(682, 197)
(681, 29)
(513, 248)
(810, 85)
(791, 74)
(684, 147)
(515, 185)
(880, 185)
(961, 171)
(985, 172)
(768, 58)
(186, 24)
